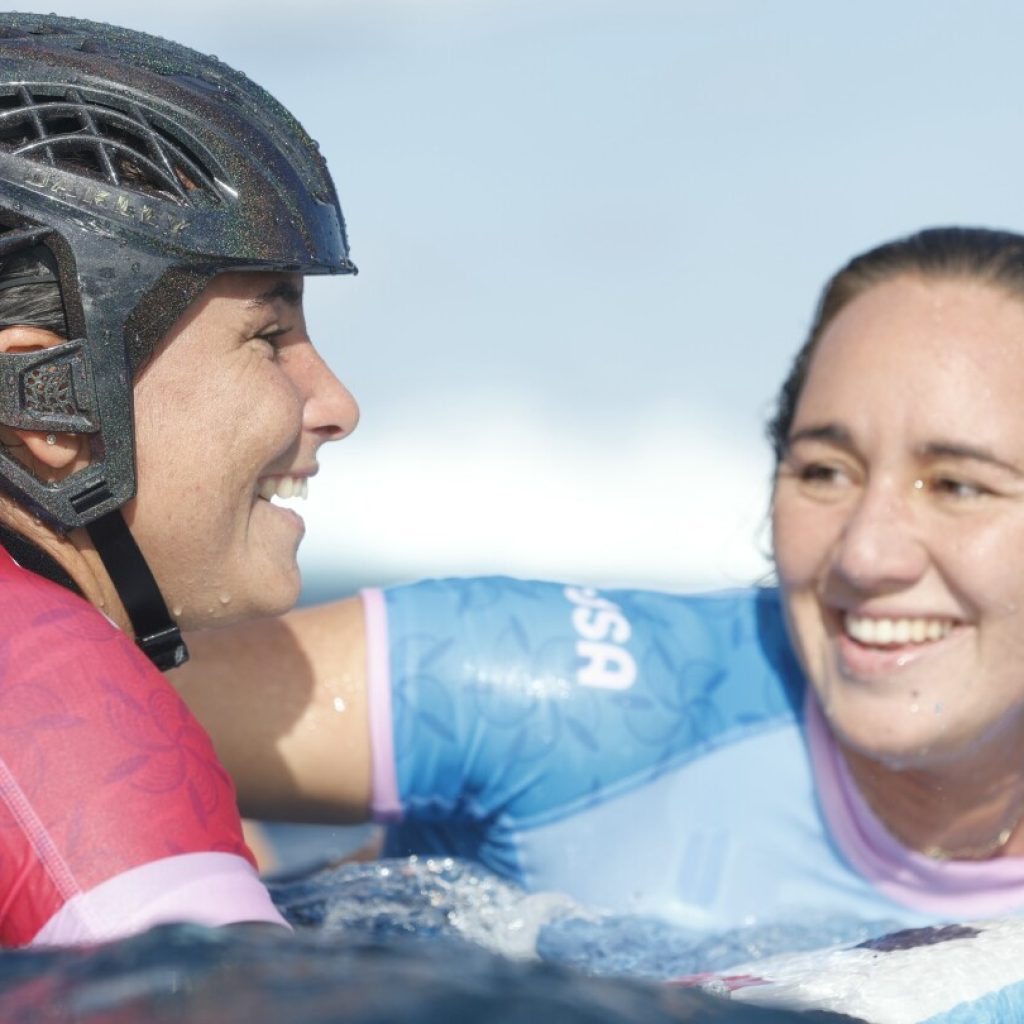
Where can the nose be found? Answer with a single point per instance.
(330, 410)
(880, 547)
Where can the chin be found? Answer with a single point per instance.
(271, 598)
(288, 587)
(903, 751)
(264, 598)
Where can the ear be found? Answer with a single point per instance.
(58, 453)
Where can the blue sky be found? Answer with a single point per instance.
(591, 234)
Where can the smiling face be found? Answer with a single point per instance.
(230, 411)
(898, 520)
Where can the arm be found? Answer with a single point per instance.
(480, 674)
(285, 702)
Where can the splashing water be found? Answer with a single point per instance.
(447, 897)
(428, 897)
(410, 941)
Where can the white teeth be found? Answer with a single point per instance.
(895, 632)
(284, 487)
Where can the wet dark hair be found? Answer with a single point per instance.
(29, 293)
(980, 254)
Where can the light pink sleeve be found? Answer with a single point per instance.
(201, 888)
(385, 804)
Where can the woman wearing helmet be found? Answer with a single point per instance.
(157, 387)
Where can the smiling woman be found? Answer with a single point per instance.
(157, 384)
(237, 385)
(898, 504)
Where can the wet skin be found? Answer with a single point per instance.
(235, 397)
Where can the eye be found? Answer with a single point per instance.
(273, 338)
(822, 479)
(820, 473)
(954, 487)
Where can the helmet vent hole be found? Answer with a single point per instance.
(104, 137)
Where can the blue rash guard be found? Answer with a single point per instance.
(646, 753)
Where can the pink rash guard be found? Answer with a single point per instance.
(115, 813)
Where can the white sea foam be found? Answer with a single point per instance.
(673, 505)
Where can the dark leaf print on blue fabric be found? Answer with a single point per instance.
(582, 734)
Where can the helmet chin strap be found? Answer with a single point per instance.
(156, 633)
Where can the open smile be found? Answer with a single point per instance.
(895, 632)
(283, 487)
(874, 646)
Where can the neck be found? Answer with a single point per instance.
(968, 809)
(74, 555)
(33, 558)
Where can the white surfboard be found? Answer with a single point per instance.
(954, 974)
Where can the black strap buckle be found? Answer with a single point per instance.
(165, 648)
(156, 632)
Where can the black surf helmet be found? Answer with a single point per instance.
(144, 168)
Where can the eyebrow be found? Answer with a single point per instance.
(830, 432)
(955, 450)
(834, 434)
(283, 290)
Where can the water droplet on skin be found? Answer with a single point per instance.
(339, 704)
(176, 611)
(914, 708)
(225, 599)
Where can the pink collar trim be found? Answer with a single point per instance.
(960, 889)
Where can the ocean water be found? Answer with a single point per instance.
(458, 900)
(411, 941)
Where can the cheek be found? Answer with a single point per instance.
(276, 387)
(795, 571)
(288, 405)
(981, 566)
(170, 418)
(805, 536)
(793, 555)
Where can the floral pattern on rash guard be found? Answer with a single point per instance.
(102, 767)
